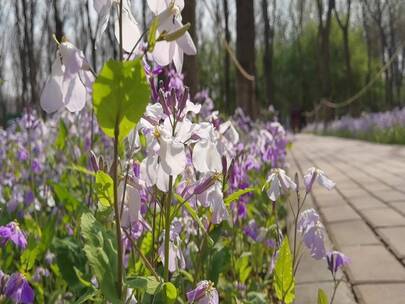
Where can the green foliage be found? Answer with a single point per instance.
(69, 201)
(322, 297)
(101, 255)
(120, 95)
(104, 189)
(152, 34)
(195, 217)
(150, 284)
(70, 258)
(60, 142)
(236, 195)
(284, 283)
(220, 262)
(242, 267)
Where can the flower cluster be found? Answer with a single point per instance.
(382, 127)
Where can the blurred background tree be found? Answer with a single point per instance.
(290, 54)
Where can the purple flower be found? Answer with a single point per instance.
(251, 230)
(22, 154)
(336, 260)
(204, 293)
(314, 174)
(36, 166)
(28, 198)
(18, 289)
(312, 232)
(12, 232)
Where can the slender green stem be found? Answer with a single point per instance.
(167, 229)
(153, 229)
(117, 214)
(335, 287)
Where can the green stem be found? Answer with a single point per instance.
(117, 215)
(335, 287)
(167, 229)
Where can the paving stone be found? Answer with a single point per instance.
(311, 270)
(307, 293)
(373, 264)
(399, 206)
(330, 200)
(394, 237)
(380, 293)
(353, 193)
(366, 202)
(339, 213)
(383, 217)
(351, 233)
(390, 196)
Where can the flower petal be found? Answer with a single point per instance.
(75, 94)
(52, 96)
(172, 156)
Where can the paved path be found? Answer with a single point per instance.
(364, 217)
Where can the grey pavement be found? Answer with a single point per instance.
(364, 217)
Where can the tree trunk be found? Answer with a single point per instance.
(245, 53)
(324, 26)
(58, 21)
(190, 69)
(268, 52)
(227, 80)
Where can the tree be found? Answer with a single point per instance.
(324, 26)
(344, 24)
(245, 53)
(190, 62)
(227, 71)
(377, 10)
(268, 34)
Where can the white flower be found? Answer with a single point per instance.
(69, 81)
(213, 198)
(170, 159)
(130, 29)
(165, 52)
(279, 183)
(132, 204)
(206, 157)
(314, 174)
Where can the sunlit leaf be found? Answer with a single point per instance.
(283, 283)
(120, 95)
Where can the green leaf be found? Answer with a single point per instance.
(87, 297)
(81, 278)
(101, 255)
(322, 297)
(195, 217)
(81, 169)
(120, 96)
(152, 34)
(69, 253)
(220, 262)
(60, 141)
(254, 297)
(236, 195)
(242, 267)
(104, 189)
(148, 284)
(170, 291)
(176, 34)
(68, 200)
(283, 274)
(29, 257)
(166, 295)
(146, 244)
